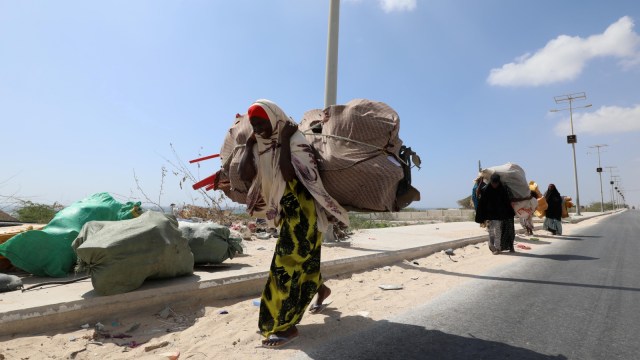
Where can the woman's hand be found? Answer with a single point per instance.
(246, 167)
(288, 129)
(286, 167)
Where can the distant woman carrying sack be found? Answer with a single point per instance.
(494, 205)
(281, 166)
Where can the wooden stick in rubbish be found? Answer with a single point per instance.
(155, 346)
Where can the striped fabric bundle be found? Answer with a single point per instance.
(358, 151)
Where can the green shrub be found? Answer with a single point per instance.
(37, 213)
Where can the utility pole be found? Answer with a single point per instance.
(616, 180)
(331, 80)
(572, 139)
(599, 171)
(613, 201)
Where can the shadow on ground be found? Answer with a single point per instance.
(358, 337)
(557, 257)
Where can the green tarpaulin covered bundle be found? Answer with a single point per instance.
(121, 255)
(210, 243)
(48, 252)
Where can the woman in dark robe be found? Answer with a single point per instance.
(553, 216)
(494, 206)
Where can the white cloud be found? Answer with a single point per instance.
(398, 5)
(565, 57)
(606, 120)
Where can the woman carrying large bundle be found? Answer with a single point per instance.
(287, 185)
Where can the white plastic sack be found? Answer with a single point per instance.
(511, 175)
(523, 209)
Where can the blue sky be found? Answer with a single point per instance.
(92, 91)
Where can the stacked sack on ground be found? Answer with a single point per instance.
(121, 255)
(118, 247)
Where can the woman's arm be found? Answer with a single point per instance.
(247, 168)
(286, 167)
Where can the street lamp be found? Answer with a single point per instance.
(572, 139)
(599, 171)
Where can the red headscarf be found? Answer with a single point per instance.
(257, 111)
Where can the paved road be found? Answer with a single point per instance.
(576, 299)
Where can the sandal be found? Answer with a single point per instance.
(274, 341)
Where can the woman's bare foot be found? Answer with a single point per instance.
(280, 338)
(323, 294)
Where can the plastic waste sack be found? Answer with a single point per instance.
(533, 186)
(121, 255)
(48, 252)
(524, 209)
(567, 203)
(210, 243)
(9, 283)
(541, 209)
(511, 175)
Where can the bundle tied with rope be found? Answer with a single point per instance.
(362, 161)
(361, 158)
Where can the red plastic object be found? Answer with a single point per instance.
(208, 181)
(204, 158)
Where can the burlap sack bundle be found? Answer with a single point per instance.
(357, 146)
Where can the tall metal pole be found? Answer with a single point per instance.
(331, 81)
(613, 203)
(575, 166)
(599, 170)
(572, 139)
(616, 180)
(613, 197)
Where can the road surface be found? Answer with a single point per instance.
(576, 299)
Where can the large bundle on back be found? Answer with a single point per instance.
(360, 155)
(514, 178)
(228, 178)
(362, 162)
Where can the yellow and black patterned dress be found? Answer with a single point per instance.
(294, 276)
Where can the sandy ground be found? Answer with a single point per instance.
(229, 328)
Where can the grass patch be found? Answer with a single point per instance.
(357, 222)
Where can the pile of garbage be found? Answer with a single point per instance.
(117, 245)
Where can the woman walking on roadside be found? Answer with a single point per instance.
(286, 185)
(553, 215)
(494, 205)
